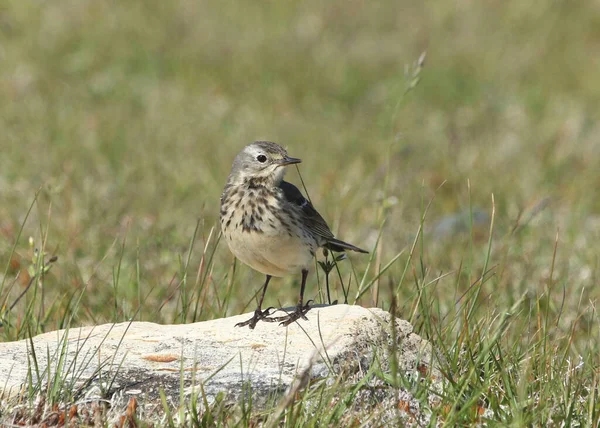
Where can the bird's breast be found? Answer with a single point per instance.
(262, 232)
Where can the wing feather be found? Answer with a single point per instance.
(313, 220)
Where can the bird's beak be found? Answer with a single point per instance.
(288, 161)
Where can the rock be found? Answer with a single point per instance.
(137, 359)
(457, 223)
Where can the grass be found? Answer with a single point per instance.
(476, 189)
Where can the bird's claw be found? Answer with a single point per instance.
(300, 312)
(258, 316)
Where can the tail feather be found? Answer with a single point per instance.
(337, 245)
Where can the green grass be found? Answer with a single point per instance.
(119, 122)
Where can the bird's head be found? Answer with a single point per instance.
(262, 161)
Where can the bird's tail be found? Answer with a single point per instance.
(337, 245)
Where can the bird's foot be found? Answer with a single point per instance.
(258, 316)
(300, 312)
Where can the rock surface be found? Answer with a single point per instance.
(139, 358)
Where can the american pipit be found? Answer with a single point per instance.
(269, 225)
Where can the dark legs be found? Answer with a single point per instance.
(258, 313)
(301, 308)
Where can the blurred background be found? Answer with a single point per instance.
(119, 122)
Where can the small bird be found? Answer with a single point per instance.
(269, 225)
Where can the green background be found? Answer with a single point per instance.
(119, 121)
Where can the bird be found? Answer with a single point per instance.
(270, 226)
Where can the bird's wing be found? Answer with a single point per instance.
(310, 217)
(313, 220)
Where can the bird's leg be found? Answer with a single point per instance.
(258, 313)
(301, 308)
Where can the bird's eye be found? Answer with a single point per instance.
(261, 158)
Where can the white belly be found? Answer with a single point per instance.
(262, 238)
(275, 255)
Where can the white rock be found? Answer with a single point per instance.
(138, 358)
